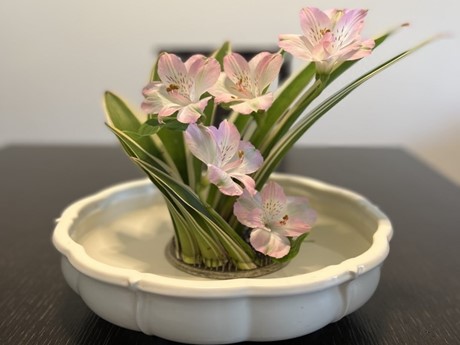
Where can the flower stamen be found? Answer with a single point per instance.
(284, 220)
(172, 87)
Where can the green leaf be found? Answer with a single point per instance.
(168, 122)
(134, 150)
(186, 245)
(172, 140)
(153, 121)
(174, 145)
(215, 246)
(290, 90)
(220, 53)
(122, 118)
(280, 118)
(209, 111)
(241, 251)
(378, 41)
(287, 141)
(196, 246)
(211, 251)
(285, 123)
(147, 130)
(295, 247)
(176, 126)
(154, 72)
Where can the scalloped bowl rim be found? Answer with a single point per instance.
(171, 286)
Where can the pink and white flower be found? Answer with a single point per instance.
(273, 218)
(181, 87)
(227, 156)
(243, 84)
(329, 37)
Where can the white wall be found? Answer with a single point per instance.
(57, 58)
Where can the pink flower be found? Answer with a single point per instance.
(226, 156)
(329, 38)
(181, 86)
(243, 84)
(274, 218)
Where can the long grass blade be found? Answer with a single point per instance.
(288, 140)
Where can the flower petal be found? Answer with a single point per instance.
(150, 107)
(151, 88)
(192, 112)
(175, 96)
(205, 72)
(274, 202)
(330, 38)
(349, 26)
(246, 180)
(201, 143)
(197, 58)
(171, 69)
(296, 45)
(243, 84)
(248, 210)
(267, 68)
(227, 138)
(300, 217)
(314, 23)
(363, 50)
(167, 111)
(156, 103)
(243, 108)
(248, 106)
(236, 67)
(189, 114)
(269, 243)
(223, 181)
(221, 90)
(251, 159)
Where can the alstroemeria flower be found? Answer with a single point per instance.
(243, 84)
(329, 37)
(273, 218)
(226, 156)
(181, 86)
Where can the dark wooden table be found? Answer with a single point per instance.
(416, 303)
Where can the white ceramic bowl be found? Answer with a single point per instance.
(113, 244)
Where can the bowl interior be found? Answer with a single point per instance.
(131, 228)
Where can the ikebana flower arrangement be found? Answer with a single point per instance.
(226, 212)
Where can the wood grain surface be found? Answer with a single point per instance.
(417, 301)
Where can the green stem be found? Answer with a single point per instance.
(166, 157)
(213, 196)
(186, 245)
(210, 113)
(287, 119)
(288, 140)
